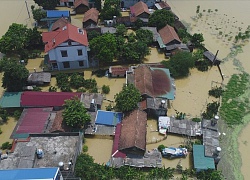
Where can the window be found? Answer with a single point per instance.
(69, 43)
(66, 64)
(64, 53)
(81, 63)
(79, 51)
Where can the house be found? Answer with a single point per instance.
(108, 118)
(54, 15)
(39, 78)
(129, 3)
(156, 107)
(66, 3)
(58, 24)
(133, 133)
(92, 101)
(115, 151)
(162, 5)
(152, 82)
(50, 173)
(201, 162)
(66, 48)
(90, 18)
(140, 10)
(33, 120)
(212, 58)
(117, 71)
(81, 6)
(46, 99)
(168, 36)
(128, 21)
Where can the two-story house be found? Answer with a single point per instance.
(66, 48)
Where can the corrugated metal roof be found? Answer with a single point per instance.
(200, 161)
(46, 99)
(10, 99)
(115, 152)
(31, 173)
(57, 13)
(33, 120)
(108, 118)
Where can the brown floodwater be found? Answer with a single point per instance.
(7, 129)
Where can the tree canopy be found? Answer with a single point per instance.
(74, 113)
(48, 5)
(144, 35)
(197, 39)
(179, 64)
(104, 47)
(128, 98)
(19, 38)
(161, 18)
(38, 13)
(15, 75)
(110, 9)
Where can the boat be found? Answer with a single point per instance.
(172, 152)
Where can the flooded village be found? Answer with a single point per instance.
(166, 129)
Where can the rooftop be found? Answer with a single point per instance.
(139, 8)
(210, 141)
(86, 99)
(56, 147)
(39, 78)
(57, 13)
(168, 34)
(154, 31)
(30, 173)
(58, 24)
(79, 2)
(91, 14)
(200, 161)
(10, 99)
(108, 118)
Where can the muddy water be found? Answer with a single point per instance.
(171, 141)
(100, 149)
(155, 56)
(7, 129)
(230, 20)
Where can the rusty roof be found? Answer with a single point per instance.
(143, 80)
(118, 70)
(58, 125)
(139, 8)
(79, 2)
(168, 34)
(59, 24)
(133, 132)
(91, 14)
(164, 5)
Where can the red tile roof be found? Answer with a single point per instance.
(143, 80)
(139, 8)
(59, 24)
(33, 120)
(45, 99)
(115, 152)
(168, 34)
(91, 14)
(133, 131)
(79, 2)
(68, 32)
(118, 70)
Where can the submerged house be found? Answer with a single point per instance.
(133, 124)
(168, 36)
(81, 6)
(90, 18)
(66, 48)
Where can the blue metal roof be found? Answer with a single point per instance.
(31, 173)
(201, 162)
(10, 99)
(56, 13)
(108, 118)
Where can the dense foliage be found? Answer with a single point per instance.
(211, 110)
(161, 18)
(105, 89)
(179, 64)
(128, 98)
(110, 9)
(201, 63)
(216, 92)
(38, 13)
(74, 113)
(197, 40)
(145, 36)
(19, 39)
(48, 5)
(15, 75)
(234, 107)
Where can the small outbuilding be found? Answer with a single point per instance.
(90, 18)
(108, 118)
(118, 71)
(39, 78)
(81, 6)
(140, 10)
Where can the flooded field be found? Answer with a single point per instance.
(7, 129)
(100, 149)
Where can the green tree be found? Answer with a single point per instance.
(179, 64)
(38, 13)
(4, 114)
(110, 9)
(74, 113)
(128, 98)
(210, 174)
(93, 34)
(76, 80)
(161, 18)
(145, 36)
(138, 24)
(104, 47)
(197, 39)
(105, 89)
(48, 5)
(18, 39)
(121, 30)
(15, 76)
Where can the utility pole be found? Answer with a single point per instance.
(27, 8)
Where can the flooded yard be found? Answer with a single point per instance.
(7, 129)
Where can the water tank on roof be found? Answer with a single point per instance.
(61, 165)
(39, 153)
